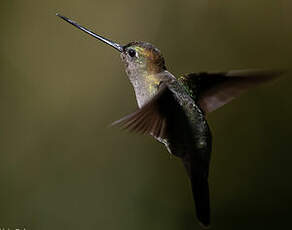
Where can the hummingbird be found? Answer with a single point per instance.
(173, 110)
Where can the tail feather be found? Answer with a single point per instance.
(200, 189)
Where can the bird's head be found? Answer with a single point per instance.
(142, 57)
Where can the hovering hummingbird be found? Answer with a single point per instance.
(173, 110)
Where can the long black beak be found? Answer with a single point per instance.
(107, 41)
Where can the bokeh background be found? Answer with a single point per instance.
(62, 167)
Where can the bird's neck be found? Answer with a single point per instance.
(145, 84)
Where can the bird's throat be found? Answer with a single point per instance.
(145, 86)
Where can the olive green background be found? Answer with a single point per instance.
(63, 167)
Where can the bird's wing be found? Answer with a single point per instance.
(213, 90)
(153, 117)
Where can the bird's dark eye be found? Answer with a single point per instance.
(132, 52)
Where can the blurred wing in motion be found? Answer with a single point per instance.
(213, 90)
(153, 117)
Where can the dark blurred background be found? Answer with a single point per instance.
(62, 167)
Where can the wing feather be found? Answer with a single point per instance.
(152, 117)
(213, 90)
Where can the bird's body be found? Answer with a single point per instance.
(178, 122)
(173, 110)
(146, 86)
